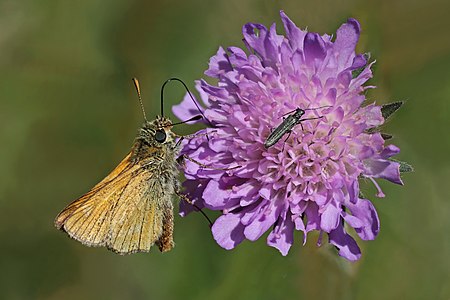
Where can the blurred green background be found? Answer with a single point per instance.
(69, 113)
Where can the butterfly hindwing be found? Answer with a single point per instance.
(139, 217)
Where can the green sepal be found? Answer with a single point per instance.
(386, 136)
(404, 166)
(388, 109)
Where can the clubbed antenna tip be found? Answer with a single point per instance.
(138, 91)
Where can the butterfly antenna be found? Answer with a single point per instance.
(188, 91)
(138, 90)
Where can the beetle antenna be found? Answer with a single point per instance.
(317, 107)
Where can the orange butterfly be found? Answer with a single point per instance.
(131, 209)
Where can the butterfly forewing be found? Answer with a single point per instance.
(95, 197)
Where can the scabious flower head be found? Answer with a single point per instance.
(308, 180)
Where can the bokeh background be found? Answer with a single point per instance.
(69, 113)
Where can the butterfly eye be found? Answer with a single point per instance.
(160, 136)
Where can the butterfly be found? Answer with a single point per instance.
(131, 209)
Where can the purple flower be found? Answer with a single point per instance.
(308, 181)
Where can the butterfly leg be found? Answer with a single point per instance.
(186, 198)
(181, 161)
(191, 136)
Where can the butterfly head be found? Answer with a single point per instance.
(157, 132)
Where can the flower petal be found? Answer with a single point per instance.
(218, 64)
(228, 230)
(266, 218)
(330, 216)
(367, 224)
(386, 169)
(282, 236)
(345, 243)
(215, 196)
(359, 61)
(264, 42)
(314, 47)
(294, 35)
(313, 217)
(346, 39)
